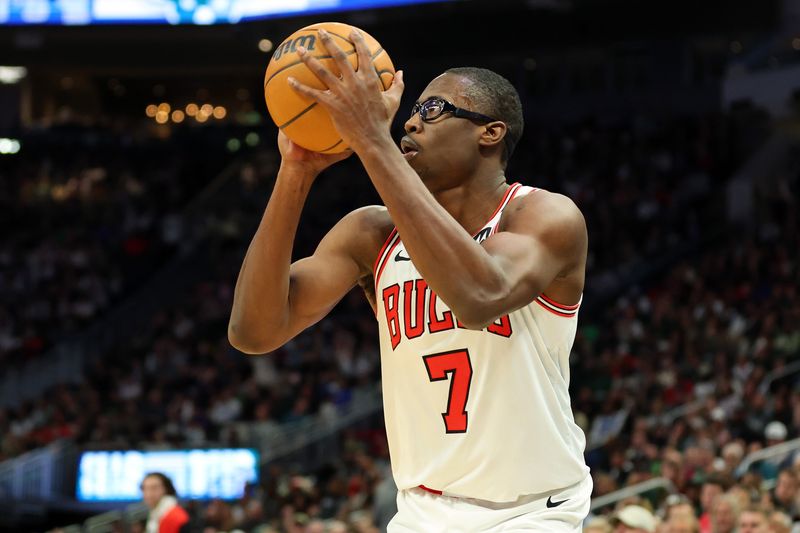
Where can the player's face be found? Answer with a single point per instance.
(447, 146)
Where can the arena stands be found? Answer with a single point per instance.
(88, 214)
(704, 333)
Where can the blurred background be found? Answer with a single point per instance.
(137, 156)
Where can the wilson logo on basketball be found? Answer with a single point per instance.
(308, 41)
(407, 314)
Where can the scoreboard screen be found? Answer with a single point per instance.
(83, 12)
(105, 476)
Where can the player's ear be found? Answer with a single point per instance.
(493, 133)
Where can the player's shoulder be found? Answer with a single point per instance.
(543, 209)
(370, 222)
(367, 229)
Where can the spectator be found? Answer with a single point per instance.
(712, 487)
(724, 514)
(681, 524)
(779, 522)
(634, 519)
(598, 524)
(786, 493)
(165, 516)
(754, 520)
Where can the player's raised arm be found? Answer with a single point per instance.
(274, 300)
(479, 283)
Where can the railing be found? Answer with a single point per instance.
(634, 490)
(781, 450)
(696, 405)
(291, 439)
(111, 522)
(114, 521)
(775, 375)
(36, 475)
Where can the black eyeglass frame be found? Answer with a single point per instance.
(447, 107)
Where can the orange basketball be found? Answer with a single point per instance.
(301, 119)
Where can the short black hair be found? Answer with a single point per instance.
(494, 95)
(169, 488)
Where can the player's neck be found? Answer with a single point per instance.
(472, 202)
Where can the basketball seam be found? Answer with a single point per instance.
(300, 114)
(339, 36)
(351, 52)
(333, 146)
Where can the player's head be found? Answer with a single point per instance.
(466, 119)
(155, 486)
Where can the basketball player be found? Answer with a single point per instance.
(475, 284)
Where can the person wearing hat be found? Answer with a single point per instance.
(774, 433)
(634, 519)
(598, 524)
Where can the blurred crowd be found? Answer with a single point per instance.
(179, 382)
(86, 216)
(706, 333)
(645, 186)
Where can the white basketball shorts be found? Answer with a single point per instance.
(561, 511)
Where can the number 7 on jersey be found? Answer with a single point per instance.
(457, 364)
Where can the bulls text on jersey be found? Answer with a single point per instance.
(411, 311)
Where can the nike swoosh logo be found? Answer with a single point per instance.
(551, 503)
(399, 257)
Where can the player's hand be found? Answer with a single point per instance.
(308, 162)
(361, 111)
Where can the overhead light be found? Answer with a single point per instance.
(177, 116)
(162, 117)
(163, 107)
(12, 74)
(265, 45)
(204, 15)
(220, 112)
(151, 110)
(192, 109)
(233, 144)
(9, 146)
(252, 139)
(207, 109)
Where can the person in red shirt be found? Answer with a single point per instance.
(165, 516)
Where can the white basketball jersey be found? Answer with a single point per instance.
(478, 414)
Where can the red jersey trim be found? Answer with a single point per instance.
(512, 190)
(384, 261)
(556, 304)
(432, 491)
(567, 311)
(503, 206)
(383, 249)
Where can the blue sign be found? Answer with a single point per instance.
(105, 476)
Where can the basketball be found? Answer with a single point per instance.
(302, 120)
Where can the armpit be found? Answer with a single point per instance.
(367, 284)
